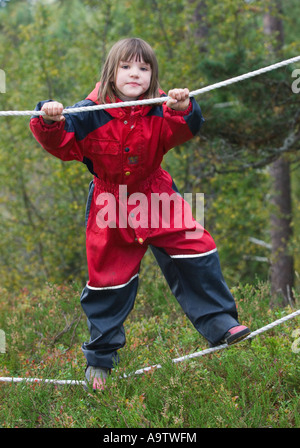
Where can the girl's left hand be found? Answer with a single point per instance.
(179, 99)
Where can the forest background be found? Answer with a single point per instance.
(245, 161)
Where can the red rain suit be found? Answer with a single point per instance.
(123, 148)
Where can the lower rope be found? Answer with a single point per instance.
(157, 366)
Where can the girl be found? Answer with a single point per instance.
(123, 148)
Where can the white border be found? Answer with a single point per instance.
(112, 287)
(195, 255)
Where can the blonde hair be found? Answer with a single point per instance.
(127, 50)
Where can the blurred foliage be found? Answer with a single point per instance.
(254, 384)
(55, 49)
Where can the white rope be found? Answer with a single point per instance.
(40, 380)
(245, 76)
(218, 85)
(157, 366)
(220, 347)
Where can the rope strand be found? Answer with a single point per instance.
(157, 366)
(217, 85)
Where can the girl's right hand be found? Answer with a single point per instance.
(53, 111)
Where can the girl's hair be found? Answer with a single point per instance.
(127, 50)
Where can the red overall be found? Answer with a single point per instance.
(132, 204)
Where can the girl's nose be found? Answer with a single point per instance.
(134, 72)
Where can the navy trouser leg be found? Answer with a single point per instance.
(106, 310)
(199, 286)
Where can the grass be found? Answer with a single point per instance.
(254, 384)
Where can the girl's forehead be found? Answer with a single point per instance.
(134, 58)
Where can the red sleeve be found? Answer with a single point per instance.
(181, 126)
(57, 138)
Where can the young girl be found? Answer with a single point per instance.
(123, 148)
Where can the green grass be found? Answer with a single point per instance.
(254, 384)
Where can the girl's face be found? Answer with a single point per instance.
(133, 79)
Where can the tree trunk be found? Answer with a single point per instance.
(282, 269)
(201, 28)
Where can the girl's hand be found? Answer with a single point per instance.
(53, 111)
(179, 99)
